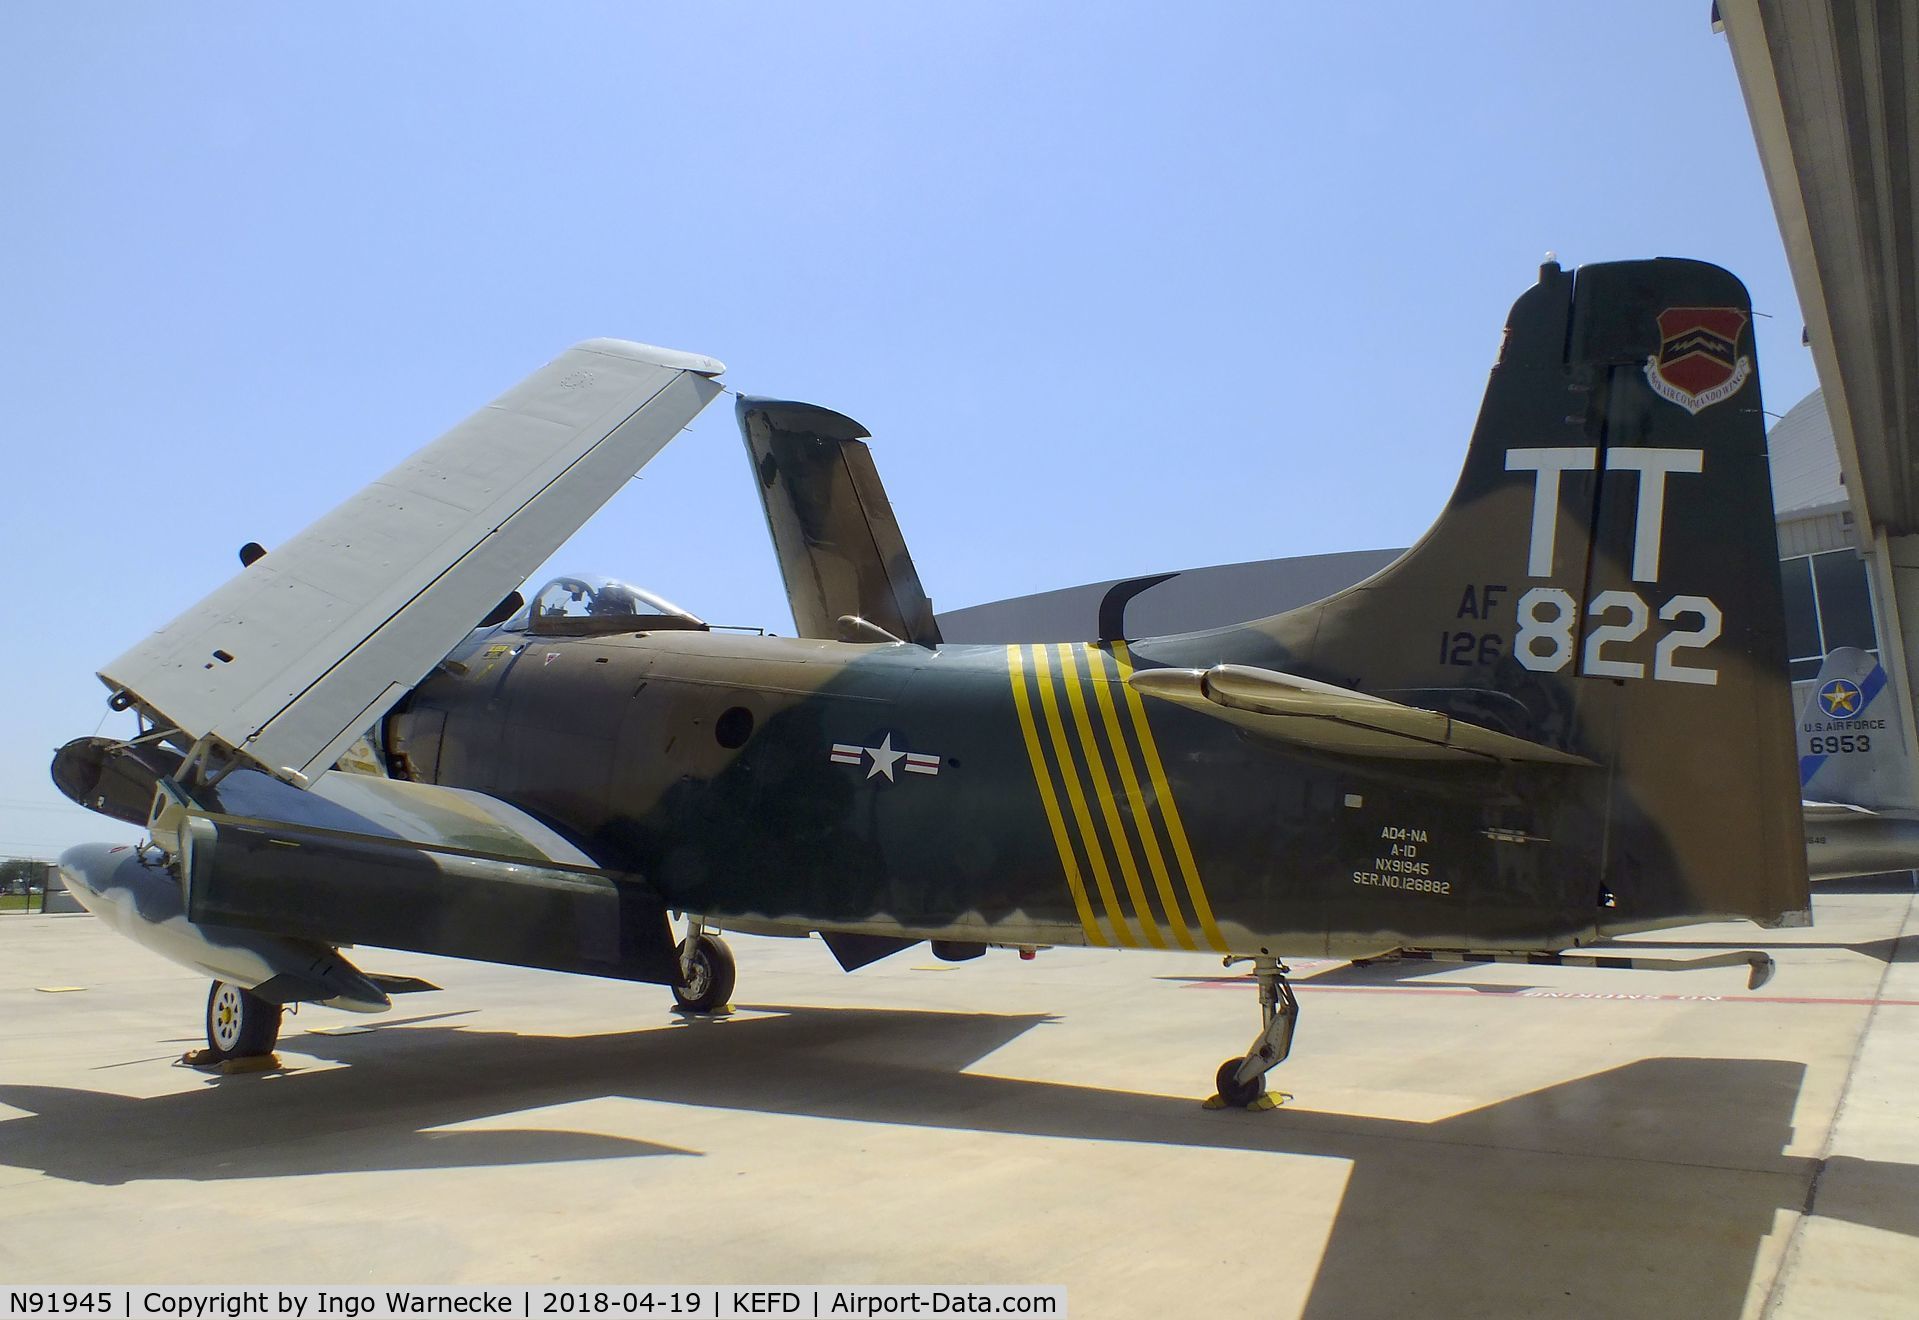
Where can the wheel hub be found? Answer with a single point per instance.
(226, 1017)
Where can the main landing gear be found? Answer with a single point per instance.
(706, 971)
(1242, 1081)
(240, 1024)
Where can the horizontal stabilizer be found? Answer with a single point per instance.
(1758, 964)
(1843, 841)
(1308, 713)
(305, 647)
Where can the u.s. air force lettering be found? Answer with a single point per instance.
(1848, 728)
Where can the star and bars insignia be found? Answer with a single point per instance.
(885, 759)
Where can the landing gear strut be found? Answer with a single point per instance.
(1242, 1081)
(706, 971)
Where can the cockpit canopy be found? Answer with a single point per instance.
(580, 606)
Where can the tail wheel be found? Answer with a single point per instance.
(240, 1024)
(1234, 1092)
(710, 976)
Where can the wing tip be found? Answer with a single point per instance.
(674, 358)
(791, 415)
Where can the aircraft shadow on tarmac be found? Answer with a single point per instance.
(1631, 1191)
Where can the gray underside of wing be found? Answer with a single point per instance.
(299, 652)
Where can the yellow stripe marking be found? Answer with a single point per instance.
(1136, 800)
(1103, 794)
(1069, 775)
(1169, 810)
(1049, 800)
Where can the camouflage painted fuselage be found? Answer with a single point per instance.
(991, 793)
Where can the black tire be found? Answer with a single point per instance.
(1234, 1092)
(710, 987)
(240, 1024)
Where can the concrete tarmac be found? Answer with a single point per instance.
(1493, 1140)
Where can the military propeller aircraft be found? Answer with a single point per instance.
(1561, 717)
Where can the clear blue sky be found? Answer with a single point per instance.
(1117, 287)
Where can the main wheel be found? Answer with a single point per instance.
(1234, 1092)
(240, 1024)
(711, 984)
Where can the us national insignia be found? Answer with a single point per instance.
(1698, 363)
(1840, 699)
(886, 759)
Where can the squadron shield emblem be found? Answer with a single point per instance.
(1699, 363)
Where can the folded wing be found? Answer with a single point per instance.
(839, 546)
(304, 648)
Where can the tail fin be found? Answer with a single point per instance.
(1851, 746)
(1604, 582)
(839, 546)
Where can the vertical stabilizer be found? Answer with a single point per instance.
(1851, 748)
(1604, 581)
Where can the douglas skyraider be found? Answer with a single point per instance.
(1562, 716)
